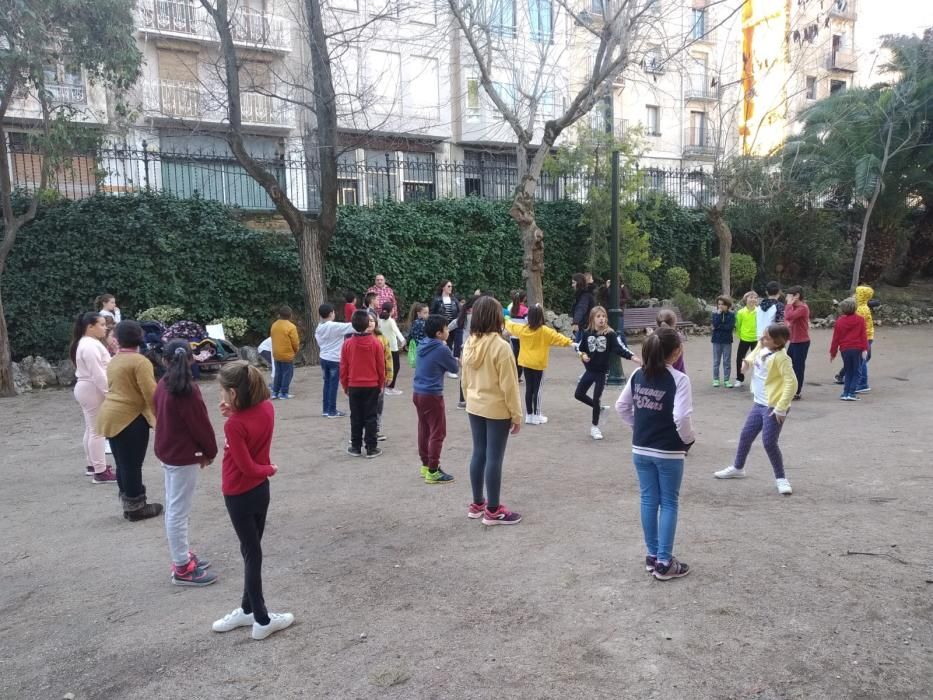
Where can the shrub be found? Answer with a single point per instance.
(166, 315)
(234, 327)
(821, 307)
(742, 271)
(638, 283)
(676, 279)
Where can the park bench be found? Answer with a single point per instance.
(641, 318)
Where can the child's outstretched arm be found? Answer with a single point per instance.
(625, 406)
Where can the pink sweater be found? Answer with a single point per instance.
(91, 360)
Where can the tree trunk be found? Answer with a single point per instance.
(724, 234)
(6, 358)
(863, 236)
(523, 211)
(311, 259)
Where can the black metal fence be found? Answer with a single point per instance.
(218, 176)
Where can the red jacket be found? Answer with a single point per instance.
(348, 310)
(362, 362)
(797, 318)
(183, 427)
(849, 334)
(246, 454)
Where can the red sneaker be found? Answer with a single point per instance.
(476, 510)
(191, 575)
(501, 516)
(105, 477)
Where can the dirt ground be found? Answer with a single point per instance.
(396, 594)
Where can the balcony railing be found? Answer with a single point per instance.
(192, 101)
(842, 59)
(249, 27)
(843, 9)
(653, 64)
(700, 87)
(67, 94)
(700, 141)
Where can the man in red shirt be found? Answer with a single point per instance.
(363, 376)
(383, 294)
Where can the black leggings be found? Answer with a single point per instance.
(745, 346)
(396, 365)
(248, 514)
(598, 381)
(516, 348)
(533, 379)
(489, 439)
(129, 450)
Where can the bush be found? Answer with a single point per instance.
(742, 272)
(234, 327)
(821, 307)
(676, 279)
(639, 283)
(166, 315)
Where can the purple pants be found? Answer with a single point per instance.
(761, 421)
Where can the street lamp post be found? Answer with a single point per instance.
(616, 377)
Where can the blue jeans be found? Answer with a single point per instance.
(852, 365)
(863, 374)
(722, 354)
(659, 480)
(331, 373)
(284, 371)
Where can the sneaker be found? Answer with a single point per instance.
(730, 472)
(461, 405)
(500, 516)
(797, 397)
(838, 380)
(541, 419)
(728, 384)
(737, 384)
(863, 391)
(424, 471)
(150, 510)
(521, 380)
(394, 392)
(373, 453)
(277, 621)
(354, 451)
(192, 575)
(198, 561)
(453, 375)
(89, 470)
(438, 477)
(380, 437)
(338, 414)
(107, 450)
(530, 420)
(650, 563)
(476, 510)
(783, 487)
(675, 569)
(232, 620)
(286, 396)
(715, 383)
(105, 477)
(274, 397)
(596, 433)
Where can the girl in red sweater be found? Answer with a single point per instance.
(184, 442)
(244, 401)
(850, 339)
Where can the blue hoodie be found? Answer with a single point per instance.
(434, 358)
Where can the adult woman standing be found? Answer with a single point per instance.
(583, 303)
(446, 305)
(126, 416)
(91, 358)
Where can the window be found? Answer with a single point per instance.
(418, 180)
(836, 86)
(502, 17)
(596, 7)
(653, 61)
(653, 7)
(385, 68)
(64, 86)
(508, 93)
(540, 18)
(380, 175)
(422, 90)
(698, 128)
(699, 24)
(653, 120)
(348, 183)
(472, 98)
(811, 87)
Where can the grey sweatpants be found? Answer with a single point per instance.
(180, 483)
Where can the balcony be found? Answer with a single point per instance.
(700, 142)
(194, 102)
(700, 87)
(180, 19)
(653, 64)
(71, 94)
(843, 9)
(842, 59)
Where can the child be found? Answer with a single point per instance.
(797, 318)
(265, 352)
(389, 328)
(770, 310)
(518, 312)
(657, 403)
(863, 295)
(90, 359)
(244, 402)
(363, 375)
(773, 386)
(285, 346)
(185, 444)
(349, 306)
(536, 340)
(330, 336)
(107, 307)
(850, 337)
(596, 344)
(369, 303)
(434, 358)
(110, 340)
(723, 322)
(747, 330)
(387, 353)
(417, 316)
(493, 406)
(668, 319)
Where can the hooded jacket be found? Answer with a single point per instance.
(769, 311)
(434, 358)
(583, 302)
(863, 293)
(490, 382)
(781, 382)
(797, 318)
(535, 343)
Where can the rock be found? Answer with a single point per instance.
(40, 372)
(251, 355)
(65, 371)
(549, 317)
(652, 303)
(21, 383)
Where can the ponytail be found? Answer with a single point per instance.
(246, 381)
(386, 311)
(656, 350)
(178, 378)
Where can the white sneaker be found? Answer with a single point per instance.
(530, 420)
(394, 392)
(232, 620)
(596, 433)
(737, 383)
(730, 472)
(277, 621)
(452, 375)
(541, 419)
(783, 487)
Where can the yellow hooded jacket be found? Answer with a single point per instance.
(536, 343)
(490, 382)
(781, 382)
(863, 294)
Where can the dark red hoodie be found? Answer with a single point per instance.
(362, 362)
(797, 318)
(849, 334)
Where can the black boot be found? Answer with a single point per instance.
(135, 509)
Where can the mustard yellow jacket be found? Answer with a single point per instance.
(863, 294)
(535, 344)
(781, 382)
